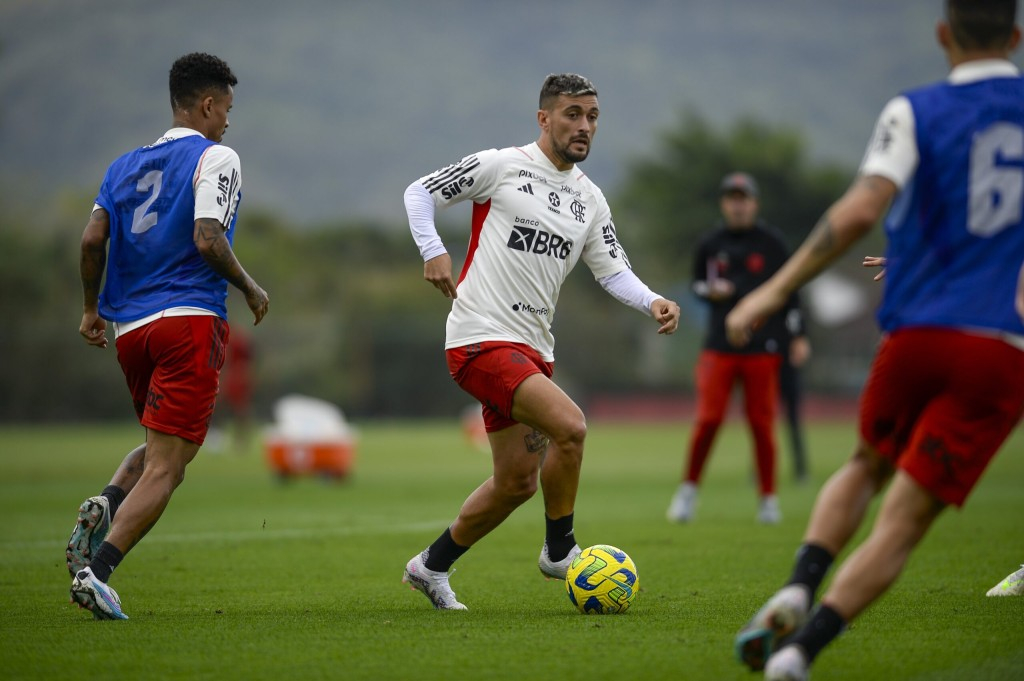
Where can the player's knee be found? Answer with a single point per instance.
(875, 466)
(707, 424)
(571, 435)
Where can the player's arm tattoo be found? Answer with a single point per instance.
(823, 238)
(212, 243)
(846, 221)
(92, 264)
(536, 442)
(135, 462)
(93, 259)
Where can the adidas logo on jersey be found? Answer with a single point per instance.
(527, 189)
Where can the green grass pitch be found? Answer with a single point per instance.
(247, 578)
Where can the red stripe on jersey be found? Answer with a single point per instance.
(523, 152)
(480, 211)
(199, 169)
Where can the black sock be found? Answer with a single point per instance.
(106, 559)
(823, 626)
(115, 495)
(812, 563)
(443, 552)
(560, 538)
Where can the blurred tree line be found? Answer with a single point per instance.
(352, 321)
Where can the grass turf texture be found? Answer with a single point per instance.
(248, 578)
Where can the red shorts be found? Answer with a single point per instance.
(939, 403)
(491, 371)
(172, 367)
(759, 373)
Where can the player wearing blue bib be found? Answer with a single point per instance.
(947, 384)
(955, 233)
(162, 230)
(150, 266)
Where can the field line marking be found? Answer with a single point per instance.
(299, 532)
(255, 534)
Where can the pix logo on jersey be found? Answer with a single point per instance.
(530, 239)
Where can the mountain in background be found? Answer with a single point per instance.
(341, 104)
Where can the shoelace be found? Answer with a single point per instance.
(442, 580)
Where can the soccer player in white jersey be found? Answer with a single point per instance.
(945, 387)
(161, 232)
(535, 215)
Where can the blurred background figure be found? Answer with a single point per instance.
(734, 259)
(795, 351)
(474, 428)
(237, 389)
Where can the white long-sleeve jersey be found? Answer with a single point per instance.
(531, 224)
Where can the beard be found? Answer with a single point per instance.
(567, 153)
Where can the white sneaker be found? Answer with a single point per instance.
(783, 614)
(684, 504)
(433, 584)
(556, 570)
(1013, 585)
(768, 512)
(92, 594)
(789, 664)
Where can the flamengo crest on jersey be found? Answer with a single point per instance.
(531, 224)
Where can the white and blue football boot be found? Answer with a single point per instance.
(95, 596)
(90, 530)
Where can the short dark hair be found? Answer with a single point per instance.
(981, 24)
(195, 74)
(568, 84)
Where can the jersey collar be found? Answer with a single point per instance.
(176, 133)
(982, 69)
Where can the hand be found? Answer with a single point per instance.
(666, 313)
(438, 271)
(258, 301)
(93, 329)
(875, 261)
(799, 351)
(750, 313)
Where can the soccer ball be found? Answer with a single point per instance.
(602, 580)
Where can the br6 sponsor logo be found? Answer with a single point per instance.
(530, 240)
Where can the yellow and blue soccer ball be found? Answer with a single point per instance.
(602, 580)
